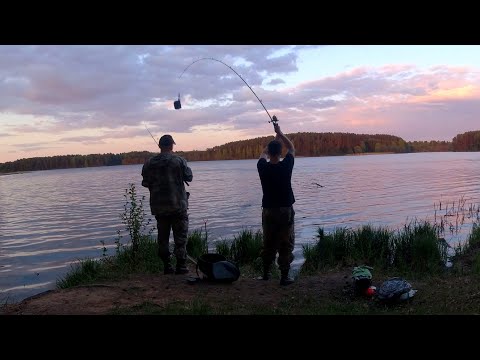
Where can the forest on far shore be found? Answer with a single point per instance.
(307, 144)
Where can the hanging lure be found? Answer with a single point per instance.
(177, 104)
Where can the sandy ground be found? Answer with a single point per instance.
(103, 298)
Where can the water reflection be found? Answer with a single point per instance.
(49, 219)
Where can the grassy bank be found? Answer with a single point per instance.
(243, 249)
(415, 252)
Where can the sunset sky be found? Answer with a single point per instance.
(72, 99)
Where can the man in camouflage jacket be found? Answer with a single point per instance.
(165, 176)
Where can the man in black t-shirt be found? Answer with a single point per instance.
(277, 210)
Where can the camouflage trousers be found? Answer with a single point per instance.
(278, 235)
(179, 224)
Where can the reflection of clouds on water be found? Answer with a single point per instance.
(62, 216)
(29, 286)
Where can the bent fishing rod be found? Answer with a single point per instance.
(177, 104)
(155, 140)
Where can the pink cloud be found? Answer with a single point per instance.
(108, 89)
(419, 105)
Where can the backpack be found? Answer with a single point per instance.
(395, 289)
(217, 268)
(362, 278)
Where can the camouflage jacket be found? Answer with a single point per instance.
(164, 175)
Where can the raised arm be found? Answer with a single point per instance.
(286, 141)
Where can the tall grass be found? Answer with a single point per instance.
(467, 253)
(223, 248)
(311, 256)
(197, 243)
(414, 248)
(417, 247)
(473, 240)
(372, 246)
(244, 249)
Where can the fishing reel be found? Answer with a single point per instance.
(274, 120)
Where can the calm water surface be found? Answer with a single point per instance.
(49, 219)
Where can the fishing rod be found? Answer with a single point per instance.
(177, 104)
(156, 142)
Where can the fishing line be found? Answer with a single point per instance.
(177, 104)
(155, 140)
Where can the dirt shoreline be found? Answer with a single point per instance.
(161, 290)
(324, 293)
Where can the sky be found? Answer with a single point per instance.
(79, 99)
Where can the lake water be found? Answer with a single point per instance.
(49, 219)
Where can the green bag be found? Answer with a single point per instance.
(362, 278)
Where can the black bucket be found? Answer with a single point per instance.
(206, 261)
(217, 268)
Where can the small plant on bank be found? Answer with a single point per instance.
(136, 221)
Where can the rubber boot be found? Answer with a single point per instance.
(167, 267)
(181, 267)
(285, 279)
(267, 274)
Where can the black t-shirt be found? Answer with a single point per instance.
(276, 182)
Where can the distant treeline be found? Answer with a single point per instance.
(306, 144)
(75, 161)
